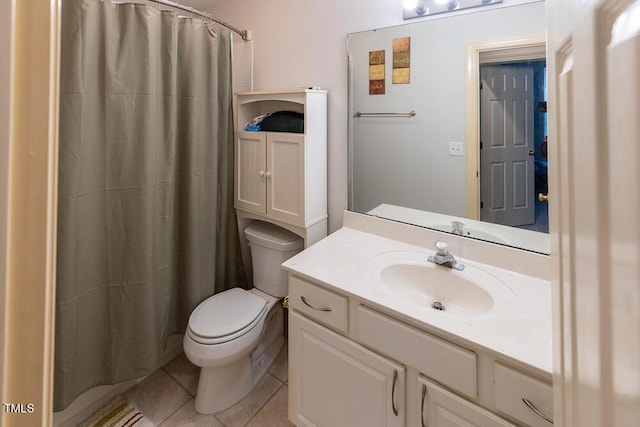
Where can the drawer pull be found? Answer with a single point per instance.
(536, 410)
(393, 393)
(424, 396)
(304, 300)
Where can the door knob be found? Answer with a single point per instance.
(531, 152)
(543, 197)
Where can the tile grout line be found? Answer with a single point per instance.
(282, 383)
(171, 414)
(219, 420)
(265, 404)
(268, 400)
(183, 388)
(178, 382)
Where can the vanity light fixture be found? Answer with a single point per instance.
(418, 8)
(421, 9)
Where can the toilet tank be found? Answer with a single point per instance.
(271, 246)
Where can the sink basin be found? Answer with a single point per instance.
(470, 292)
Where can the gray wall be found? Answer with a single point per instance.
(405, 161)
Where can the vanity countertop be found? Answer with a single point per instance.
(518, 332)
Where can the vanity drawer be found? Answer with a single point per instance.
(449, 364)
(318, 303)
(513, 387)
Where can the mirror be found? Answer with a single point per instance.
(414, 143)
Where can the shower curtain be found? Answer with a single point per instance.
(146, 225)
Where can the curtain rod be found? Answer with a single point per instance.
(245, 34)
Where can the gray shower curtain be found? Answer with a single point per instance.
(146, 224)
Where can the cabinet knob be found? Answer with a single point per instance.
(267, 174)
(261, 173)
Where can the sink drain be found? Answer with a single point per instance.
(438, 306)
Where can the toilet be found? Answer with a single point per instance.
(235, 336)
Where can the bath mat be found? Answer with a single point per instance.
(117, 413)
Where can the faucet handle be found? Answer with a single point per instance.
(442, 248)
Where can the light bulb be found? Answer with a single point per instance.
(410, 4)
(421, 9)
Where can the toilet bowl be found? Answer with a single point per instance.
(235, 336)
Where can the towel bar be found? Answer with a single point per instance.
(411, 113)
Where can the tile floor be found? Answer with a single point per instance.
(166, 398)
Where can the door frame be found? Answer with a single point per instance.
(29, 134)
(472, 110)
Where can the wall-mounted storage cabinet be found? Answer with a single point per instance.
(270, 177)
(281, 177)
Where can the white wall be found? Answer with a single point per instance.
(303, 43)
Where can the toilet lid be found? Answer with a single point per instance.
(226, 313)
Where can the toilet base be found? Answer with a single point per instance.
(221, 387)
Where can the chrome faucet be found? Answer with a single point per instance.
(443, 257)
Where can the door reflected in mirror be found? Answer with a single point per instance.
(513, 135)
(429, 169)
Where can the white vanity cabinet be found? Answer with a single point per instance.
(351, 364)
(522, 396)
(281, 177)
(337, 382)
(334, 381)
(440, 408)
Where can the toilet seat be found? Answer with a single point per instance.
(226, 316)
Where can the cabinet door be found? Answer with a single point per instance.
(250, 171)
(441, 408)
(336, 382)
(285, 177)
(523, 397)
